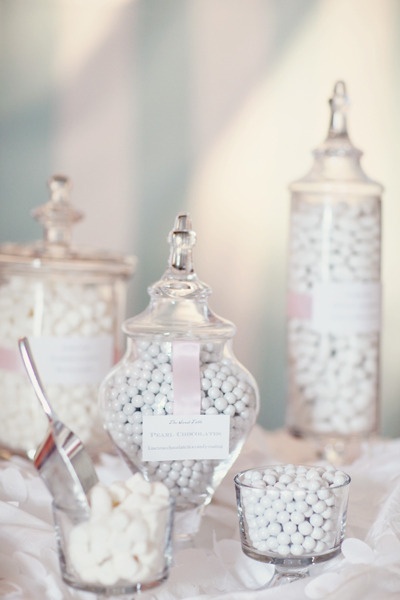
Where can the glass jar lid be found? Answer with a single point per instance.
(179, 300)
(55, 251)
(336, 166)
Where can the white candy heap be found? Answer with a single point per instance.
(334, 378)
(125, 539)
(145, 387)
(51, 308)
(340, 242)
(292, 510)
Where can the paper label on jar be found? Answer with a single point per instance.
(72, 360)
(346, 307)
(184, 437)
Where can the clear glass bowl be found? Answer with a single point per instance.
(121, 573)
(291, 516)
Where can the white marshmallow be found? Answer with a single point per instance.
(100, 501)
(121, 542)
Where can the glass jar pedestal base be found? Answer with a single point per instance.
(335, 449)
(186, 526)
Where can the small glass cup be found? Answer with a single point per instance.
(291, 516)
(115, 572)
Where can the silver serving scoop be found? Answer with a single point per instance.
(61, 459)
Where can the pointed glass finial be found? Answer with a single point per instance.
(339, 104)
(182, 240)
(180, 279)
(337, 163)
(58, 215)
(337, 143)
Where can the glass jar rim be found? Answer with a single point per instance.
(240, 483)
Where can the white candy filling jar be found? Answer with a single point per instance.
(334, 293)
(70, 303)
(179, 406)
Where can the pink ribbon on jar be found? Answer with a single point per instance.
(186, 377)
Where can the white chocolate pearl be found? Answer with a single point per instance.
(269, 479)
(323, 494)
(283, 517)
(319, 547)
(305, 528)
(317, 533)
(309, 544)
(302, 506)
(272, 543)
(297, 517)
(319, 506)
(278, 505)
(339, 479)
(316, 520)
(220, 404)
(290, 527)
(283, 550)
(274, 529)
(296, 549)
(297, 538)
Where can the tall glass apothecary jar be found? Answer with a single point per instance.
(70, 303)
(334, 294)
(179, 406)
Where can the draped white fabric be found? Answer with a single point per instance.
(215, 567)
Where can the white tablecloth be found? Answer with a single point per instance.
(215, 568)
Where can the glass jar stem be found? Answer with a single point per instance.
(285, 575)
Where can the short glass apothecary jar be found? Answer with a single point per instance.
(179, 406)
(70, 303)
(334, 293)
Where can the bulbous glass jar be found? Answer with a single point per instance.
(179, 367)
(334, 294)
(70, 303)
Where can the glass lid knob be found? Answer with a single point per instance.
(339, 104)
(182, 240)
(57, 216)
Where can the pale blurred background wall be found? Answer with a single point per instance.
(207, 106)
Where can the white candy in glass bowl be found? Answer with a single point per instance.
(292, 515)
(123, 544)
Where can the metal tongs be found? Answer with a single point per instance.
(61, 459)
